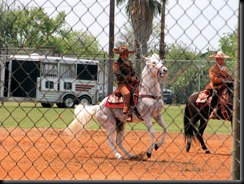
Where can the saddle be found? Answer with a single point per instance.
(115, 100)
(205, 97)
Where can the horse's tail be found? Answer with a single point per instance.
(188, 128)
(83, 115)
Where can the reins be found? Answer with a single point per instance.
(150, 96)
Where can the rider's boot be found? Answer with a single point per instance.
(129, 116)
(213, 114)
(126, 111)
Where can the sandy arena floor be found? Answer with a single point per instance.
(45, 154)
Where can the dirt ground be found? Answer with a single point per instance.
(45, 154)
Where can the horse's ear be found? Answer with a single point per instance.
(145, 58)
(156, 56)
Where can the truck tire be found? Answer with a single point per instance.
(85, 100)
(69, 101)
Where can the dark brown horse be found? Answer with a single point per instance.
(194, 113)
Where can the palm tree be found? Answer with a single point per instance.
(162, 34)
(141, 13)
(111, 46)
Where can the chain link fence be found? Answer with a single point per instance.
(54, 55)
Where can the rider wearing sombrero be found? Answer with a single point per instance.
(125, 73)
(219, 74)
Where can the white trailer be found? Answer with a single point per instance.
(51, 80)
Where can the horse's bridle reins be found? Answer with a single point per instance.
(150, 96)
(158, 73)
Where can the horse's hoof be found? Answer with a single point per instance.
(156, 146)
(118, 156)
(188, 148)
(149, 155)
(207, 151)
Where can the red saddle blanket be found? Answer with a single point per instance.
(115, 101)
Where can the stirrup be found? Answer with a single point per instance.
(213, 114)
(129, 118)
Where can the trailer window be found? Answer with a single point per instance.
(49, 70)
(49, 84)
(67, 71)
(68, 85)
(87, 72)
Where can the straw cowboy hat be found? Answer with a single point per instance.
(219, 54)
(123, 50)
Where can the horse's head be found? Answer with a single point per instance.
(156, 66)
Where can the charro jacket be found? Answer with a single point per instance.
(124, 71)
(218, 76)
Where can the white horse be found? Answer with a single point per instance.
(149, 106)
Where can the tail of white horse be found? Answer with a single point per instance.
(83, 115)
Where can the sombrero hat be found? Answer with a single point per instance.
(123, 50)
(219, 54)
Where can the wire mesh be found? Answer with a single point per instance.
(54, 55)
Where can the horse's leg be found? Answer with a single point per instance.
(191, 131)
(149, 125)
(188, 128)
(110, 134)
(160, 121)
(189, 138)
(120, 128)
(202, 127)
(107, 121)
(188, 144)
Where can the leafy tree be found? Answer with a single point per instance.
(228, 43)
(7, 36)
(180, 51)
(33, 28)
(184, 70)
(78, 43)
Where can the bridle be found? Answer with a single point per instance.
(151, 96)
(158, 76)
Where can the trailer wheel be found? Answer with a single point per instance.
(46, 104)
(85, 100)
(69, 101)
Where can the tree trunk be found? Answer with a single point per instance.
(111, 46)
(162, 34)
(138, 62)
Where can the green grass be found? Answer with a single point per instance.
(28, 115)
